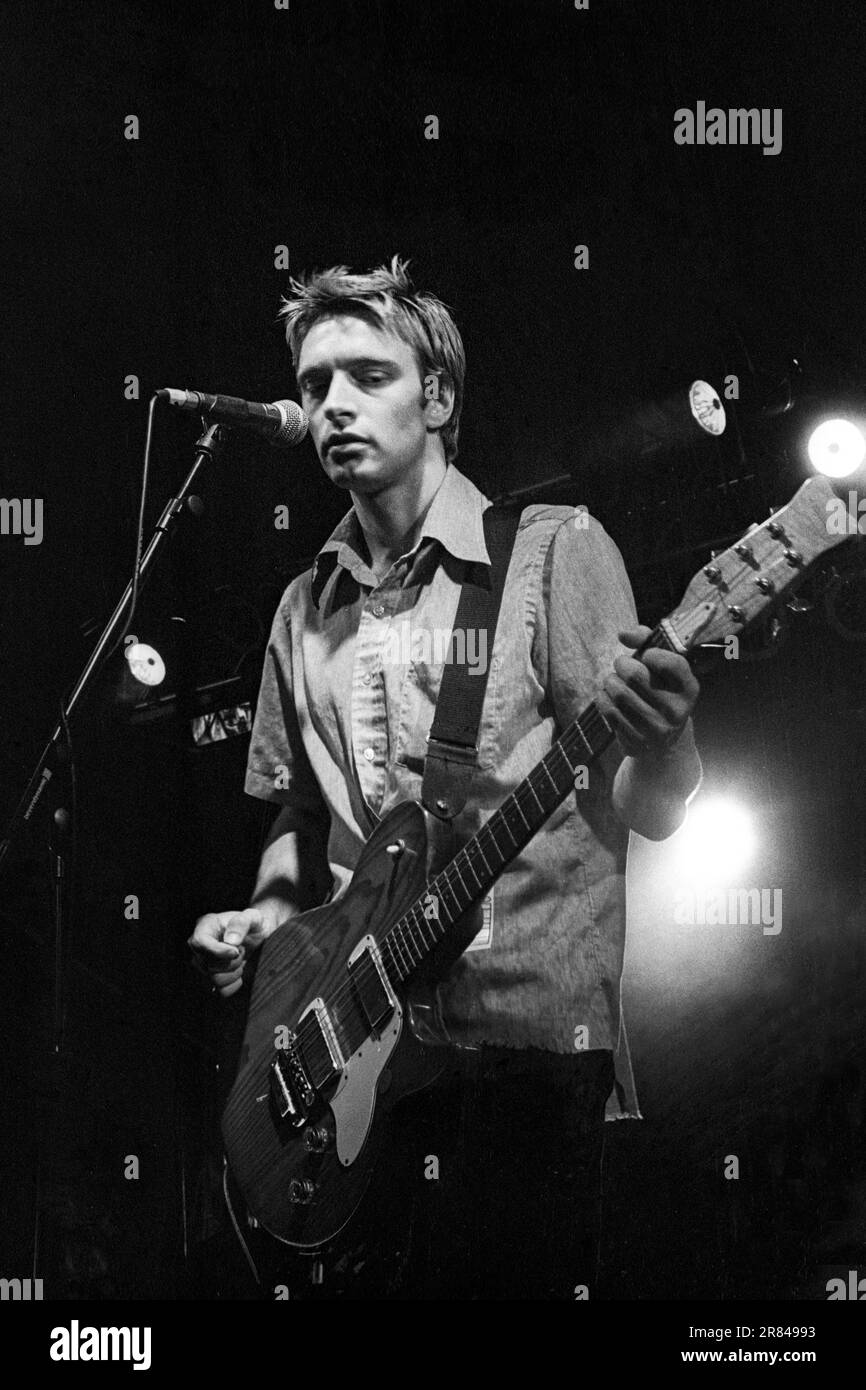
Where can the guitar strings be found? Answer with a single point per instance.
(583, 729)
(595, 724)
(579, 735)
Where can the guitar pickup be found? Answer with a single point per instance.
(373, 994)
(291, 1089)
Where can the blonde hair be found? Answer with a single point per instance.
(387, 298)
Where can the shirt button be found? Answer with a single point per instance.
(379, 611)
(369, 754)
(367, 680)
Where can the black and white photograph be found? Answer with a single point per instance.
(433, 673)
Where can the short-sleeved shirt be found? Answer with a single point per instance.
(351, 676)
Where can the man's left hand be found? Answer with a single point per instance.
(648, 702)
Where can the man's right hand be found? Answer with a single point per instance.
(222, 942)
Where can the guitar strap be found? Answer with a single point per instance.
(452, 745)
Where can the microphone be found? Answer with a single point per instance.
(282, 423)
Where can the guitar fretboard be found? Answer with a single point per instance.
(473, 870)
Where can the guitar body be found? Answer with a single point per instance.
(303, 1174)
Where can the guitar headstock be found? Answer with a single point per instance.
(742, 583)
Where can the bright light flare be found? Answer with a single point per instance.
(716, 843)
(836, 448)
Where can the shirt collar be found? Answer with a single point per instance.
(454, 518)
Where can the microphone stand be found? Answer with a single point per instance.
(209, 446)
(54, 759)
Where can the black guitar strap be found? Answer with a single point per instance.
(452, 745)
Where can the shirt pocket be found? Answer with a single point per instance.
(419, 695)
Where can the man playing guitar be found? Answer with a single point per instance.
(491, 1186)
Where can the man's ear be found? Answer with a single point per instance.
(438, 399)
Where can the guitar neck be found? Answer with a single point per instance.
(472, 871)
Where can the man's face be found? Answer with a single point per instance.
(362, 391)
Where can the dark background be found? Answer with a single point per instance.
(156, 257)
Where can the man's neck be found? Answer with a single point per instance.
(391, 520)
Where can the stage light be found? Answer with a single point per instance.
(836, 448)
(716, 843)
(145, 664)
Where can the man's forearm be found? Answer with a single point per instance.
(651, 792)
(283, 887)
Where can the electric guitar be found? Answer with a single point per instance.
(342, 1019)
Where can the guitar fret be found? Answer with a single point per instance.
(408, 936)
(459, 875)
(406, 940)
(562, 751)
(483, 855)
(584, 740)
(446, 883)
(467, 859)
(520, 813)
(500, 817)
(535, 794)
(570, 767)
(397, 956)
(438, 925)
(425, 924)
(488, 830)
(549, 775)
(416, 931)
